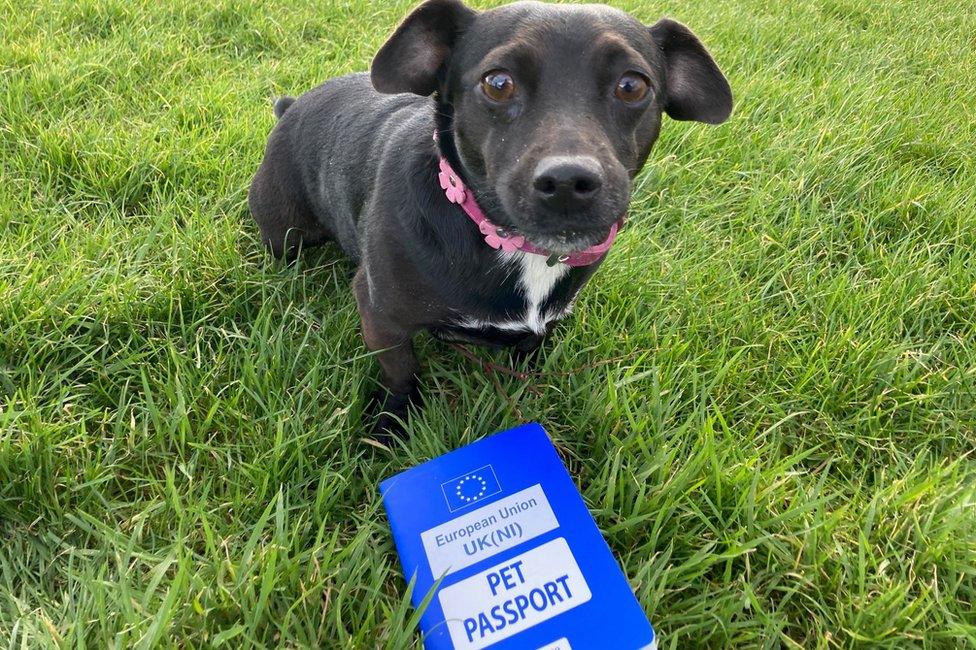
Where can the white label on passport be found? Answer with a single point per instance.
(561, 644)
(487, 531)
(513, 596)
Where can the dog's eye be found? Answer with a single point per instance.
(498, 86)
(632, 88)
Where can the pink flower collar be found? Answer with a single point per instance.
(501, 239)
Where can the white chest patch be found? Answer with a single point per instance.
(536, 281)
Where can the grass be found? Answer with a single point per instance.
(768, 398)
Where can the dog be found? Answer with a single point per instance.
(478, 175)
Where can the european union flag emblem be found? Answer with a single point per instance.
(471, 488)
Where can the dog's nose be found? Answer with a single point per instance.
(568, 182)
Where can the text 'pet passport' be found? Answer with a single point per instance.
(520, 561)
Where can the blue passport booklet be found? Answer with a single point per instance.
(518, 562)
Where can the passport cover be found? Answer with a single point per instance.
(518, 562)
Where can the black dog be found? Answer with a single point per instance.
(544, 114)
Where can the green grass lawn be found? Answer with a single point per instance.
(767, 397)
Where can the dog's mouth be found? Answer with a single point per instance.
(567, 242)
(565, 232)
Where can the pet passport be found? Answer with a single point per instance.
(499, 533)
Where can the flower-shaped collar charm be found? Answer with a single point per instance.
(499, 238)
(453, 187)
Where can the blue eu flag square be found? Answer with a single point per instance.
(470, 488)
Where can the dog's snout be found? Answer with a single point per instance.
(567, 182)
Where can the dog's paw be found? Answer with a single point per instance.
(389, 413)
(387, 427)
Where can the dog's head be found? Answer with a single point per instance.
(554, 107)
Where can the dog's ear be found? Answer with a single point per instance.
(414, 57)
(696, 88)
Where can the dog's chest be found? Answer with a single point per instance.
(536, 282)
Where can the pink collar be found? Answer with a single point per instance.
(509, 242)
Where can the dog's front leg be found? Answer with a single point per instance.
(393, 345)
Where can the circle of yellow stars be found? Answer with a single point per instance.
(481, 492)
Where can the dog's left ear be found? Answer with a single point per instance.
(696, 88)
(417, 53)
